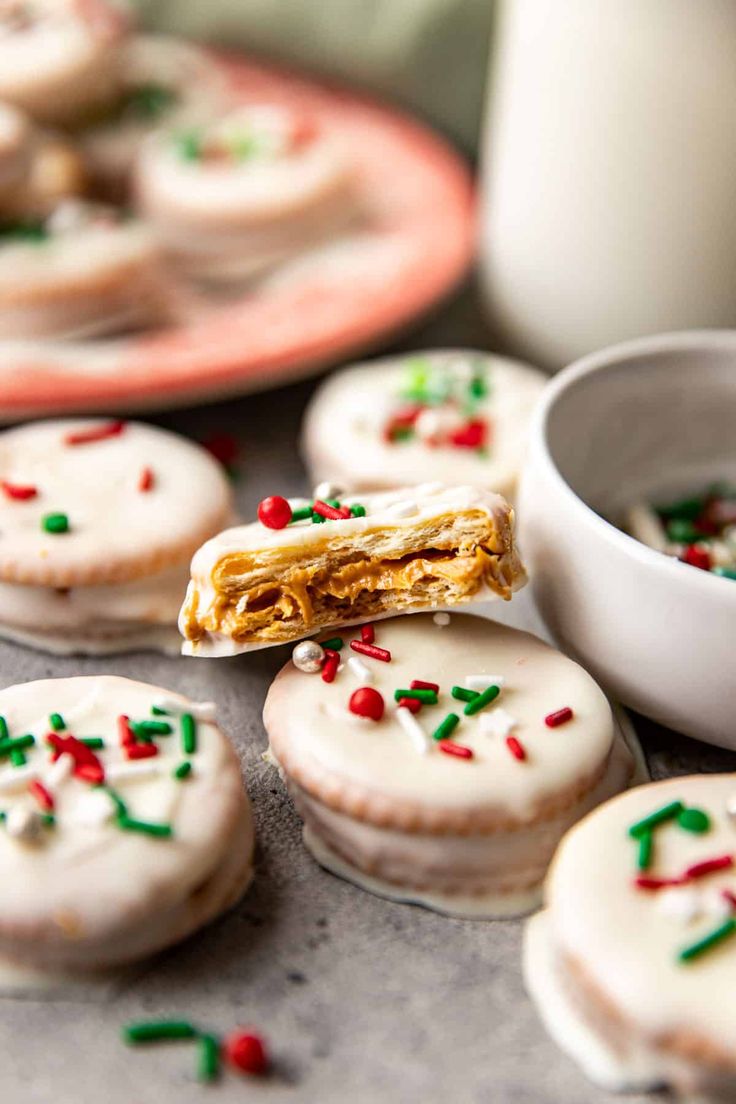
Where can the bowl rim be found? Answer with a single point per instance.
(609, 357)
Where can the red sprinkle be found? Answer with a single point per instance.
(367, 702)
(419, 684)
(20, 492)
(100, 433)
(86, 764)
(371, 650)
(516, 749)
(696, 557)
(38, 791)
(274, 512)
(644, 882)
(125, 732)
(141, 751)
(88, 772)
(367, 634)
(330, 664)
(457, 750)
(145, 480)
(708, 866)
(246, 1052)
(326, 511)
(471, 435)
(730, 897)
(559, 717)
(412, 704)
(402, 422)
(223, 446)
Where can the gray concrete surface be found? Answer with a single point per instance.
(362, 1000)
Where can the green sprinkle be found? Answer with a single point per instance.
(659, 816)
(159, 712)
(150, 1031)
(151, 728)
(120, 806)
(445, 729)
(646, 844)
(188, 734)
(478, 388)
(149, 101)
(94, 742)
(242, 147)
(357, 510)
(683, 532)
(17, 758)
(183, 770)
(189, 146)
(482, 700)
(28, 231)
(694, 950)
(57, 722)
(317, 519)
(402, 433)
(725, 572)
(693, 820)
(147, 828)
(55, 523)
(464, 695)
(208, 1066)
(335, 643)
(427, 697)
(6, 746)
(300, 514)
(48, 820)
(686, 509)
(4, 732)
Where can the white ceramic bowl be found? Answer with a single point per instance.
(654, 415)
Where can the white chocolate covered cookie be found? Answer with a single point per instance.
(60, 59)
(79, 271)
(632, 962)
(98, 521)
(233, 198)
(439, 759)
(454, 414)
(308, 565)
(124, 828)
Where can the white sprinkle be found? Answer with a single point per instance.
(731, 807)
(412, 728)
(680, 904)
(360, 670)
(482, 682)
(402, 510)
(497, 722)
(16, 778)
(327, 490)
(142, 768)
(24, 824)
(59, 771)
(644, 524)
(441, 619)
(93, 809)
(202, 711)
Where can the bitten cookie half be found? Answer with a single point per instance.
(444, 769)
(331, 565)
(453, 414)
(633, 960)
(124, 827)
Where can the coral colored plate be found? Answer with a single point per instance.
(416, 244)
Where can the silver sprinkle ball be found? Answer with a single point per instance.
(308, 656)
(24, 824)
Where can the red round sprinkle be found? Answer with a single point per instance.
(246, 1051)
(696, 557)
(367, 702)
(516, 749)
(412, 704)
(457, 750)
(97, 433)
(145, 480)
(367, 634)
(274, 512)
(371, 650)
(419, 684)
(141, 751)
(18, 491)
(38, 791)
(560, 716)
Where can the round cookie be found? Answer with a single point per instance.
(165, 81)
(111, 849)
(60, 59)
(15, 152)
(632, 961)
(98, 522)
(79, 271)
(454, 414)
(457, 806)
(234, 197)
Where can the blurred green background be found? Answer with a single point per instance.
(428, 55)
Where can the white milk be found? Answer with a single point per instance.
(609, 206)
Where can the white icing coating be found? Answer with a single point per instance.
(116, 532)
(91, 894)
(344, 429)
(432, 500)
(626, 941)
